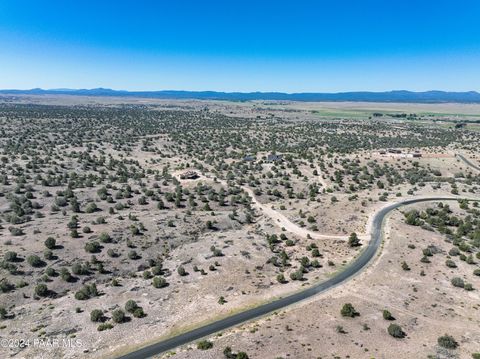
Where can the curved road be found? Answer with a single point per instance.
(354, 268)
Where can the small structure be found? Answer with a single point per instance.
(460, 125)
(417, 154)
(394, 150)
(249, 158)
(274, 158)
(189, 175)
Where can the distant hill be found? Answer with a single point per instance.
(389, 96)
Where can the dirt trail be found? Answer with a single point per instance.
(282, 221)
(278, 218)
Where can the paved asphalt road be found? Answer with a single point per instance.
(354, 268)
(468, 162)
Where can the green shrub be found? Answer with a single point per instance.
(50, 243)
(50, 272)
(104, 238)
(118, 316)
(79, 269)
(138, 312)
(104, 326)
(227, 352)
(353, 240)
(221, 300)
(159, 282)
(348, 311)
(112, 253)
(15, 231)
(41, 290)
(425, 259)
(315, 252)
(451, 264)
(204, 345)
(92, 247)
(133, 255)
(458, 282)
(6, 286)
(396, 331)
(181, 271)
(48, 255)
(11, 256)
(96, 315)
(157, 270)
(88, 291)
(447, 341)
(130, 306)
(35, 261)
(297, 275)
(454, 251)
(387, 315)
(91, 207)
(65, 275)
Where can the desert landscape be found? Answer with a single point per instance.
(126, 222)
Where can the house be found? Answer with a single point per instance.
(274, 158)
(394, 150)
(189, 175)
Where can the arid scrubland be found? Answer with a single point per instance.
(122, 222)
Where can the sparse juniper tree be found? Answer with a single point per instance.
(181, 271)
(348, 311)
(353, 240)
(50, 243)
(96, 315)
(396, 331)
(118, 316)
(159, 282)
(387, 315)
(41, 290)
(447, 341)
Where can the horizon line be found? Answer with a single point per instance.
(236, 91)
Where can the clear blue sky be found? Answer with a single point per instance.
(291, 46)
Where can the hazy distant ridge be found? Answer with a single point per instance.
(389, 96)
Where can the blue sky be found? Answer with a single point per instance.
(291, 46)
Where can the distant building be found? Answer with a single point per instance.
(394, 150)
(189, 175)
(249, 158)
(274, 158)
(417, 154)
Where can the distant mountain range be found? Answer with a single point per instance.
(388, 96)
